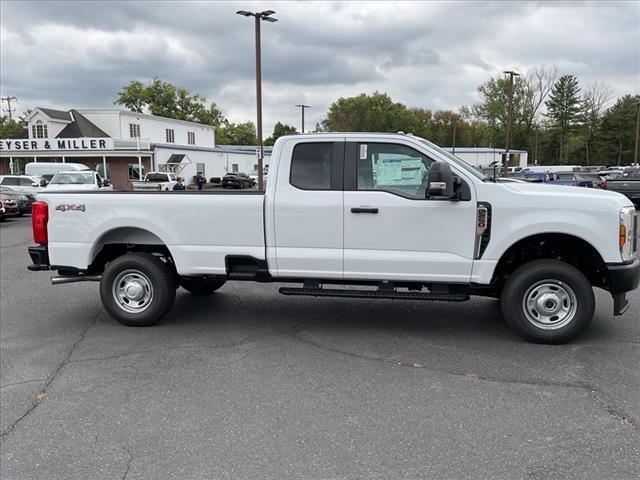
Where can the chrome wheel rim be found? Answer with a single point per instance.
(549, 304)
(132, 290)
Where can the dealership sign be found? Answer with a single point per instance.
(56, 144)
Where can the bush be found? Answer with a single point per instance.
(215, 180)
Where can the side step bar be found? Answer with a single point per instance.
(390, 294)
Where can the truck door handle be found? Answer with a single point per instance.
(364, 210)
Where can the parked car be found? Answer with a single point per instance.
(628, 184)
(25, 183)
(23, 200)
(392, 215)
(79, 181)
(254, 175)
(45, 171)
(156, 181)
(2, 212)
(577, 179)
(237, 180)
(9, 204)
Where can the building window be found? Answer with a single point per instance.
(171, 135)
(134, 130)
(200, 169)
(134, 172)
(191, 138)
(234, 168)
(39, 130)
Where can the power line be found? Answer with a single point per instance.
(9, 110)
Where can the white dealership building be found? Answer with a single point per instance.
(122, 145)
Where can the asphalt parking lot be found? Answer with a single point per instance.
(251, 384)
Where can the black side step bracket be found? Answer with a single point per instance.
(389, 294)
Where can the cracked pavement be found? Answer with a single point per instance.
(251, 384)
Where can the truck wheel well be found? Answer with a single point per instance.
(559, 246)
(120, 241)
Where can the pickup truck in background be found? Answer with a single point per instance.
(628, 184)
(391, 214)
(155, 181)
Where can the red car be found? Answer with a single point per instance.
(9, 206)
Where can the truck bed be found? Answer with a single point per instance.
(199, 228)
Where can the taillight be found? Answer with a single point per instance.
(602, 185)
(39, 219)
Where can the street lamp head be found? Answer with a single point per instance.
(266, 13)
(269, 19)
(244, 13)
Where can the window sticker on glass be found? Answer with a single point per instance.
(363, 151)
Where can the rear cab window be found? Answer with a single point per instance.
(311, 166)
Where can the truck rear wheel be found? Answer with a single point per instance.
(548, 301)
(201, 287)
(137, 289)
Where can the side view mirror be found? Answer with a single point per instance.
(43, 183)
(35, 184)
(105, 183)
(440, 182)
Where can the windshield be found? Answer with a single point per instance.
(457, 161)
(72, 178)
(156, 177)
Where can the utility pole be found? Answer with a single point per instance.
(535, 149)
(258, 16)
(635, 153)
(9, 110)
(302, 108)
(453, 150)
(505, 162)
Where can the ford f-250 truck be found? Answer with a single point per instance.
(391, 212)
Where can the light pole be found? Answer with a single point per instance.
(258, 16)
(505, 162)
(635, 153)
(302, 107)
(455, 123)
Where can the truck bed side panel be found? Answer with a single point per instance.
(200, 230)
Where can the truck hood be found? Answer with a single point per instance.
(66, 187)
(568, 193)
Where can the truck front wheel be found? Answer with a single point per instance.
(137, 289)
(548, 301)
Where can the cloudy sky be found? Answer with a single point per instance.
(428, 54)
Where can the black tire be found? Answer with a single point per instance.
(548, 301)
(140, 269)
(201, 287)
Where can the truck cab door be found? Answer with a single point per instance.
(391, 231)
(308, 225)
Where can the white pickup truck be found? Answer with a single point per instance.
(155, 181)
(391, 212)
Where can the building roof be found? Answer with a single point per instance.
(56, 114)
(81, 127)
(219, 149)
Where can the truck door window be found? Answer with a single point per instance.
(392, 168)
(311, 166)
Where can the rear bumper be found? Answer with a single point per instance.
(623, 277)
(40, 258)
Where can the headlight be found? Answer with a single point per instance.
(628, 233)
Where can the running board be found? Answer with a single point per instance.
(389, 294)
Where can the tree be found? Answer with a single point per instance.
(594, 102)
(563, 109)
(11, 128)
(279, 130)
(166, 100)
(617, 135)
(236, 134)
(369, 113)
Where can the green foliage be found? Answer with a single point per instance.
(616, 139)
(279, 130)
(236, 134)
(11, 128)
(368, 113)
(166, 100)
(564, 109)
(215, 180)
